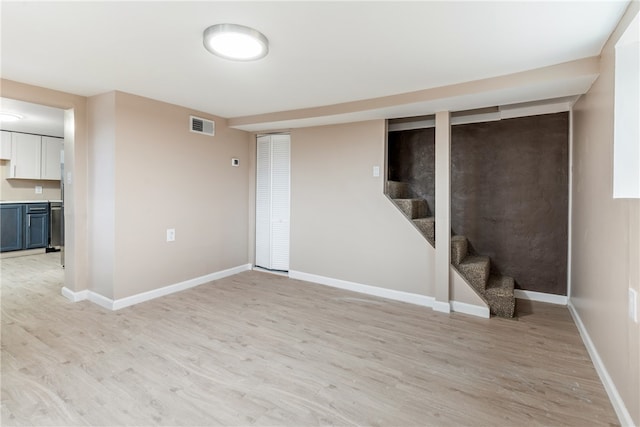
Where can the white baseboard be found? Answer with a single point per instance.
(167, 290)
(276, 272)
(408, 297)
(473, 310)
(364, 289)
(101, 300)
(441, 306)
(75, 296)
(541, 297)
(111, 304)
(616, 400)
(24, 252)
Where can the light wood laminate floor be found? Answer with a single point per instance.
(261, 349)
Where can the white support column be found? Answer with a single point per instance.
(443, 211)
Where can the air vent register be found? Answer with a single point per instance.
(202, 126)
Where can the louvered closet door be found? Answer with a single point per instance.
(272, 202)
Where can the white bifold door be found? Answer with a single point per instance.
(272, 202)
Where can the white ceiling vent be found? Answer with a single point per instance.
(203, 126)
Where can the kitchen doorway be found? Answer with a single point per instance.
(31, 173)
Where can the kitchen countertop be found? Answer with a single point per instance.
(27, 201)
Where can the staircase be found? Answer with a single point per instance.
(496, 291)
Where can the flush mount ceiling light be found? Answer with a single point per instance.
(235, 42)
(9, 117)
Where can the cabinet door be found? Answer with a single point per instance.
(51, 149)
(5, 145)
(36, 231)
(26, 151)
(11, 227)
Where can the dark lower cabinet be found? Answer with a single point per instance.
(11, 227)
(36, 232)
(24, 226)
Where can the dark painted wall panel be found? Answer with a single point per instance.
(509, 187)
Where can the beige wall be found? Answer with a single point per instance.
(75, 148)
(342, 224)
(167, 177)
(24, 189)
(101, 218)
(606, 236)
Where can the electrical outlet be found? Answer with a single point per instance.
(38, 189)
(171, 234)
(633, 305)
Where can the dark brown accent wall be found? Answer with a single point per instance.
(509, 192)
(411, 158)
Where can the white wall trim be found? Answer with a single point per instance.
(570, 203)
(149, 295)
(474, 310)
(170, 289)
(411, 298)
(483, 115)
(100, 300)
(541, 297)
(441, 306)
(616, 400)
(276, 272)
(74, 296)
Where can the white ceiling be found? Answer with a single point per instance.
(321, 53)
(37, 119)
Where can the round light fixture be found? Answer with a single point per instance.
(9, 117)
(235, 42)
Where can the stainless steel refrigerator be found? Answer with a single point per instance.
(57, 216)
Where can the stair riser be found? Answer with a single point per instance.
(499, 294)
(398, 190)
(503, 306)
(413, 208)
(459, 249)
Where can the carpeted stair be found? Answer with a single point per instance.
(497, 291)
(415, 208)
(476, 269)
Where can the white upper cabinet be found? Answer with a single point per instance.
(26, 153)
(35, 157)
(51, 153)
(5, 145)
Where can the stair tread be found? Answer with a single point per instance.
(425, 219)
(473, 259)
(457, 237)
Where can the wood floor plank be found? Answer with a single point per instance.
(262, 349)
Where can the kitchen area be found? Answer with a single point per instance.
(31, 189)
